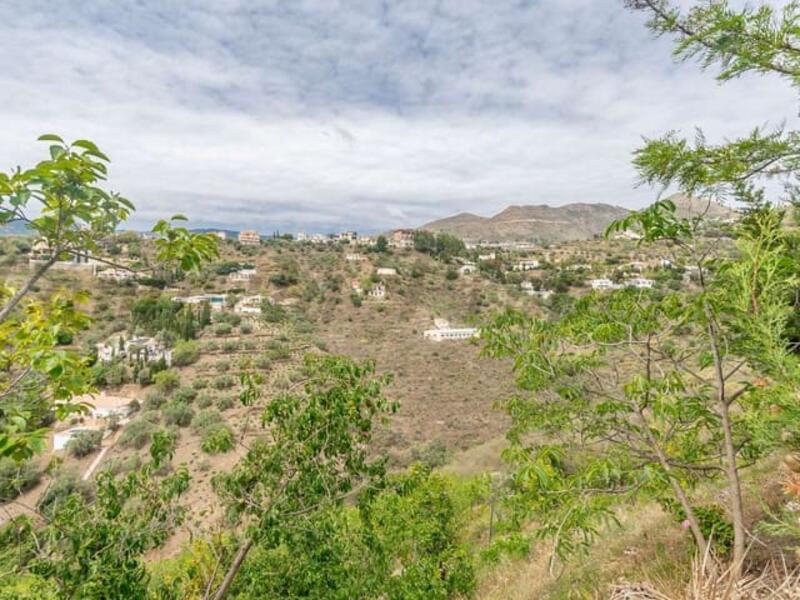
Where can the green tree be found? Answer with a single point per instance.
(381, 244)
(316, 452)
(74, 213)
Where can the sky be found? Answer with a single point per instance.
(322, 115)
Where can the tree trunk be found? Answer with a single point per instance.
(222, 591)
(21, 292)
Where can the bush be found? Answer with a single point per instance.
(185, 394)
(144, 376)
(62, 487)
(119, 465)
(167, 381)
(223, 366)
(223, 329)
(226, 402)
(84, 443)
(223, 382)
(205, 401)
(137, 433)
(230, 346)
(451, 275)
(185, 353)
(200, 383)
(217, 439)
(245, 329)
(17, 477)
(178, 413)
(154, 400)
(206, 419)
(272, 313)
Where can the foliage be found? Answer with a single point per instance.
(438, 245)
(17, 477)
(93, 549)
(316, 451)
(84, 443)
(137, 433)
(63, 485)
(178, 413)
(185, 353)
(167, 381)
(217, 439)
(272, 313)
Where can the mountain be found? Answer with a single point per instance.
(687, 207)
(15, 228)
(537, 223)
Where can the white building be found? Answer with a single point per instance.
(221, 235)
(249, 238)
(640, 282)
(526, 264)
(450, 333)
(354, 257)
(488, 256)
(468, 268)
(118, 275)
(249, 305)
(378, 291)
(402, 238)
(241, 276)
(216, 301)
(104, 406)
(603, 284)
(146, 348)
(347, 237)
(387, 271)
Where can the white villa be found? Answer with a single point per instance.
(118, 275)
(347, 237)
(443, 331)
(640, 282)
(40, 253)
(386, 271)
(627, 235)
(249, 305)
(402, 238)
(249, 238)
(603, 284)
(354, 257)
(378, 291)
(216, 301)
(242, 276)
(147, 348)
(489, 256)
(526, 264)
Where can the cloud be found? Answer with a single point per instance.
(320, 115)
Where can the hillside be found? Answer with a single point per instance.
(687, 207)
(535, 223)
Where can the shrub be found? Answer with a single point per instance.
(185, 353)
(144, 376)
(200, 383)
(230, 346)
(223, 329)
(245, 329)
(223, 366)
(451, 275)
(206, 419)
(154, 400)
(84, 443)
(223, 382)
(185, 394)
(272, 313)
(205, 400)
(17, 477)
(217, 439)
(167, 381)
(137, 433)
(178, 413)
(62, 487)
(226, 402)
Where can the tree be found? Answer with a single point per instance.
(381, 244)
(316, 453)
(92, 548)
(74, 213)
(633, 396)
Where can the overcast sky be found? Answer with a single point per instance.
(318, 115)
